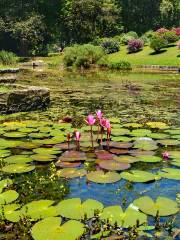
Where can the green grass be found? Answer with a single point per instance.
(170, 57)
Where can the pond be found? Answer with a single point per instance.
(141, 159)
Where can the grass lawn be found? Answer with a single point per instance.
(169, 57)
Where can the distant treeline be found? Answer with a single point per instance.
(32, 27)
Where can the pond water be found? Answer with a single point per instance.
(151, 100)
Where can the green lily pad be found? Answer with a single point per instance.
(17, 159)
(170, 173)
(173, 131)
(133, 125)
(7, 143)
(15, 134)
(129, 218)
(169, 142)
(120, 131)
(158, 125)
(138, 176)
(175, 162)
(28, 145)
(163, 206)
(139, 152)
(174, 154)
(39, 135)
(118, 151)
(10, 212)
(73, 156)
(27, 130)
(124, 145)
(71, 173)
(150, 159)
(113, 165)
(140, 132)
(176, 137)
(145, 145)
(43, 157)
(158, 135)
(126, 159)
(121, 139)
(101, 177)
(8, 197)
(4, 153)
(47, 151)
(39, 209)
(74, 209)
(5, 183)
(49, 228)
(18, 168)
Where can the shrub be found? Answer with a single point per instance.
(119, 65)
(177, 31)
(157, 43)
(162, 30)
(83, 55)
(132, 34)
(135, 45)
(149, 34)
(170, 36)
(125, 39)
(144, 39)
(110, 46)
(7, 58)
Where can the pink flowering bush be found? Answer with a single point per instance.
(177, 31)
(162, 30)
(135, 45)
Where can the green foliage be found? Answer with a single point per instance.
(111, 46)
(170, 36)
(128, 36)
(157, 43)
(7, 58)
(120, 65)
(83, 55)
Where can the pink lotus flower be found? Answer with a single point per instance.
(105, 123)
(165, 155)
(99, 114)
(90, 120)
(77, 136)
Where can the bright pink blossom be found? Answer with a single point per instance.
(165, 155)
(99, 114)
(77, 136)
(105, 123)
(90, 120)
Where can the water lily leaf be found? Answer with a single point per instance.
(120, 131)
(18, 168)
(114, 120)
(173, 131)
(27, 130)
(113, 165)
(158, 135)
(17, 159)
(39, 135)
(139, 152)
(43, 157)
(121, 139)
(4, 153)
(67, 164)
(170, 173)
(64, 146)
(175, 162)
(104, 155)
(45, 129)
(158, 125)
(121, 145)
(88, 144)
(73, 156)
(28, 145)
(15, 134)
(71, 173)
(74, 209)
(5, 183)
(49, 228)
(8, 197)
(47, 151)
(101, 177)
(140, 132)
(8, 143)
(129, 218)
(39, 209)
(163, 206)
(118, 151)
(150, 159)
(145, 145)
(169, 142)
(138, 176)
(126, 159)
(10, 212)
(133, 125)
(176, 137)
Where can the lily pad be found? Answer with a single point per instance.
(39, 209)
(17, 159)
(138, 176)
(163, 206)
(150, 159)
(173, 131)
(170, 173)
(139, 152)
(7, 143)
(158, 125)
(121, 139)
(118, 151)
(129, 218)
(67, 164)
(71, 173)
(120, 131)
(133, 125)
(5, 183)
(169, 142)
(175, 162)
(101, 177)
(104, 155)
(15, 134)
(10, 212)
(74, 209)
(43, 157)
(121, 145)
(4, 153)
(145, 145)
(140, 132)
(73, 156)
(158, 135)
(47, 151)
(8, 197)
(174, 154)
(18, 168)
(126, 159)
(38, 135)
(49, 228)
(113, 165)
